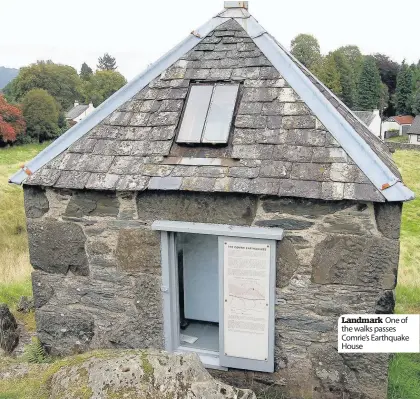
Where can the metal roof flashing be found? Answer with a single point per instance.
(352, 143)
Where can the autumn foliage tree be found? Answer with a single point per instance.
(11, 122)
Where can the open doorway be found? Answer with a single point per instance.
(198, 287)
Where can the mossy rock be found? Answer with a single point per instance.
(117, 374)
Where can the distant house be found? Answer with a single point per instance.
(414, 131)
(398, 124)
(372, 119)
(78, 112)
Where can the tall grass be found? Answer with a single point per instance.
(15, 268)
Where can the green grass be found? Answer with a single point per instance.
(15, 267)
(398, 139)
(404, 369)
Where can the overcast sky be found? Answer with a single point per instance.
(137, 32)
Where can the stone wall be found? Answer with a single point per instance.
(97, 277)
(402, 146)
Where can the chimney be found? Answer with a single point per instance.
(236, 4)
(76, 103)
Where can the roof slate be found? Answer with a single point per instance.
(415, 126)
(76, 111)
(277, 145)
(365, 116)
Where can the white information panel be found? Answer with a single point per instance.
(379, 333)
(246, 299)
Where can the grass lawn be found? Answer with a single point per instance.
(15, 268)
(398, 139)
(404, 371)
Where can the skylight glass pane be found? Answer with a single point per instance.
(195, 114)
(220, 114)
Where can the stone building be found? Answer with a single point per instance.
(224, 202)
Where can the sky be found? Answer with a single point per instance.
(137, 32)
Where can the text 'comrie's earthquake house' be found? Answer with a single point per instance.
(224, 202)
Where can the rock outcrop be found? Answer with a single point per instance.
(120, 374)
(9, 335)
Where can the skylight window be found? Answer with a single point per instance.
(208, 114)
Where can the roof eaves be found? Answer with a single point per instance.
(115, 101)
(361, 153)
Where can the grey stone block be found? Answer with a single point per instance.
(250, 108)
(92, 203)
(246, 73)
(251, 121)
(330, 155)
(64, 331)
(138, 251)
(197, 73)
(310, 171)
(300, 188)
(243, 172)
(342, 172)
(260, 94)
(165, 183)
(305, 137)
(43, 177)
(198, 183)
(164, 119)
(83, 145)
(277, 169)
(292, 153)
(286, 223)
(139, 119)
(274, 122)
(132, 183)
(388, 219)
(223, 74)
(102, 181)
(362, 192)
(355, 260)
(56, 247)
(72, 179)
(197, 207)
(42, 288)
(135, 133)
(299, 122)
(256, 151)
(36, 202)
(265, 185)
(269, 73)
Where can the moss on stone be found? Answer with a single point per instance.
(147, 368)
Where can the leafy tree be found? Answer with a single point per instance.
(61, 81)
(41, 113)
(85, 71)
(347, 79)
(306, 49)
(328, 73)
(354, 58)
(11, 122)
(404, 90)
(101, 85)
(106, 63)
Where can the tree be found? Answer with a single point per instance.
(61, 81)
(369, 87)
(12, 123)
(107, 63)
(384, 99)
(328, 73)
(404, 90)
(354, 57)
(306, 49)
(416, 103)
(85, 71)
(41, 113)
(347, 79)
(101, 85)
(388, 69)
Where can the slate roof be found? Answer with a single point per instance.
(278, 144)
(415, 126)
(76, 111)
(365, 116)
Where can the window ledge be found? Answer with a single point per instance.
(219, 229)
